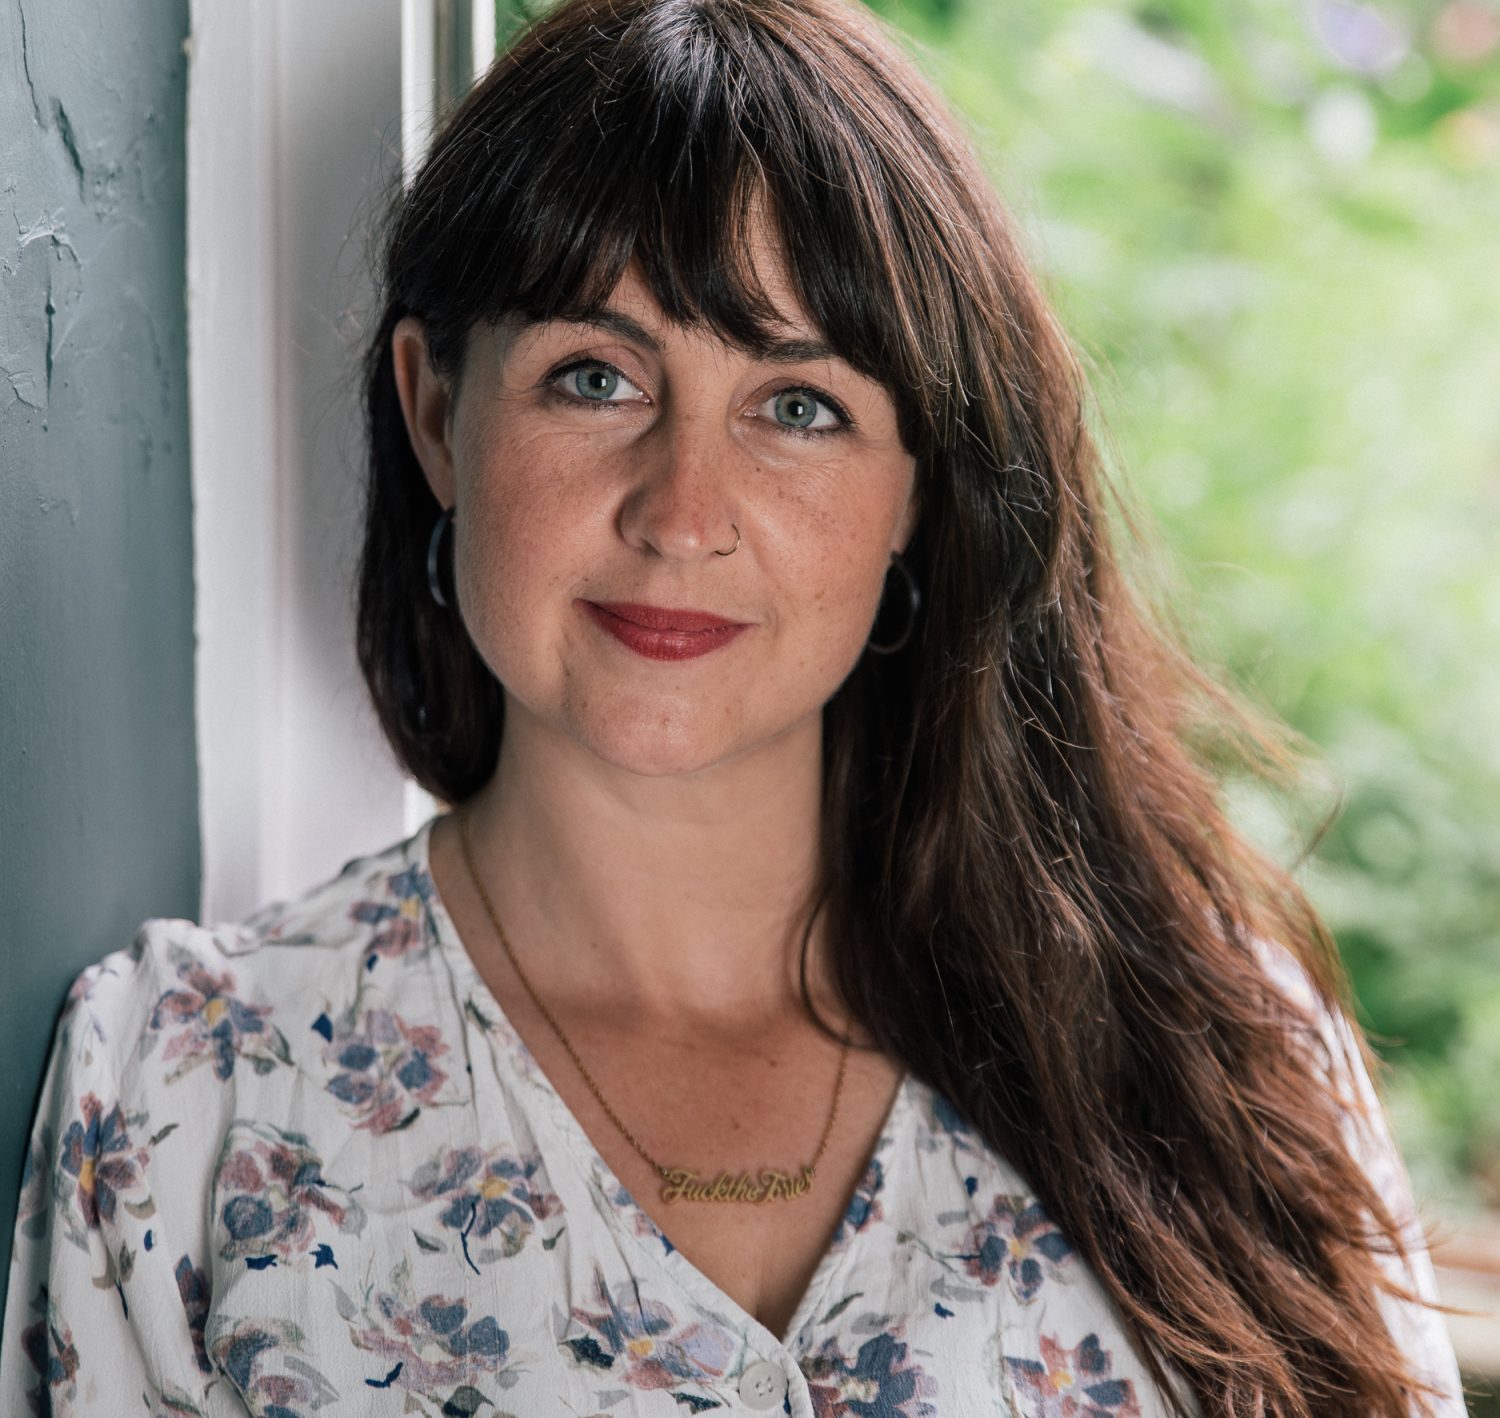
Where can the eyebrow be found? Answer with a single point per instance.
(788, 351)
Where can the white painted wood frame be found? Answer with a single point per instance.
(297, 118)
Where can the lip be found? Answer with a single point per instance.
(669, 618)
(663, 632)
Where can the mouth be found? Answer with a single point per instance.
(667, 618)
(663, 632)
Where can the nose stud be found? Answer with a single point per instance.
(732, 549)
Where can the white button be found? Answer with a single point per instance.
(763, 1385)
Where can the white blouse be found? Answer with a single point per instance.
(303, 1165)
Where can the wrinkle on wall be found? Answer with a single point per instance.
(98, 770)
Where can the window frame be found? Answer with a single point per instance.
(293, 132)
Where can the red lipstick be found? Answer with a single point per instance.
(663, 632)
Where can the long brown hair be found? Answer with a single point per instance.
(1035, 896)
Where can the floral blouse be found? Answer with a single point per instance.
(302, 1164)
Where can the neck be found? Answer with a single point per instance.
(672, 896)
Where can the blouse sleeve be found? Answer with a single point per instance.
(1420, 1332)
(107, 1295)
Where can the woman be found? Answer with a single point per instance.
(837, 988)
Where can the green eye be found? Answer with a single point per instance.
(595, 381)
(795, 408)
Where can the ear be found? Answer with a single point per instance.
(910, 514)
(425, 406)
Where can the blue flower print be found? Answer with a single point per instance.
(48, 1345)
(193, 1289)
(34, 1202)
(425, 1345)
(640, 1342)
(617, 1196)
(251, 1353)
(271, 1199)
(1072, 1383)
(881, 1381)
(384, 1069)
(864, 1206)
(498, 1195)
(1017, 1238)
(104, 1165)
(398, 916)
(213, 1025)
(945, 1127)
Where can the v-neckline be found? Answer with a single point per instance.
(615, 1199)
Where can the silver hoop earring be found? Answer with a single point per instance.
(434, 583)
(915, 598)
(732, 549)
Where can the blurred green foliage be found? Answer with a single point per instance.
(1273, 231)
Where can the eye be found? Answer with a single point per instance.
(588, 381)
(798, 406)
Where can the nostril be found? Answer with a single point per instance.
(679, 525)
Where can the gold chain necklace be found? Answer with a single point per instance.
(678, 1183)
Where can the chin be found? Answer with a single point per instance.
(652, 750)
(658, 735)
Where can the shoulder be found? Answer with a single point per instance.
(1323, 1025)
(1282, 968)
(1341, 1062)
(378, 899)
(209, 995)
(1343, 1058)
(202, 1056)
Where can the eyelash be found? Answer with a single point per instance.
(594, 405)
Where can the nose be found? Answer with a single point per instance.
(677, 506)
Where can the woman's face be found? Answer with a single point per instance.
(610, 464)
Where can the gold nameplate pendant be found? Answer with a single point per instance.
(684, 1185)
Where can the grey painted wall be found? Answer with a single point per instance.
(98, 764)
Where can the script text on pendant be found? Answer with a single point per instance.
(685, 1185)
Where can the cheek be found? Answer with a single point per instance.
(837, 594)
(849, 585)
(840, 553)
(518, 550)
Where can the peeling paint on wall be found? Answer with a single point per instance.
(90, 117)
(57, 275)
(97, 735)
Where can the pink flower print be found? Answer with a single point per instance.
(249, 1350)
(35, 1199)
(1017, 1239)
(213, 1025)
(427, 1345)
(398, 917)
(1072, 1383)
(499, 1195)
(193, 1290)
(880, 1381)
(271, 1200)
(639, 1341)
(385, 1069)
(49, 1346)
(82, 988)
(627, 1210)
(98, 1154)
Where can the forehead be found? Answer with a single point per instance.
(632, 312)
(768, 280)
(753, 264)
